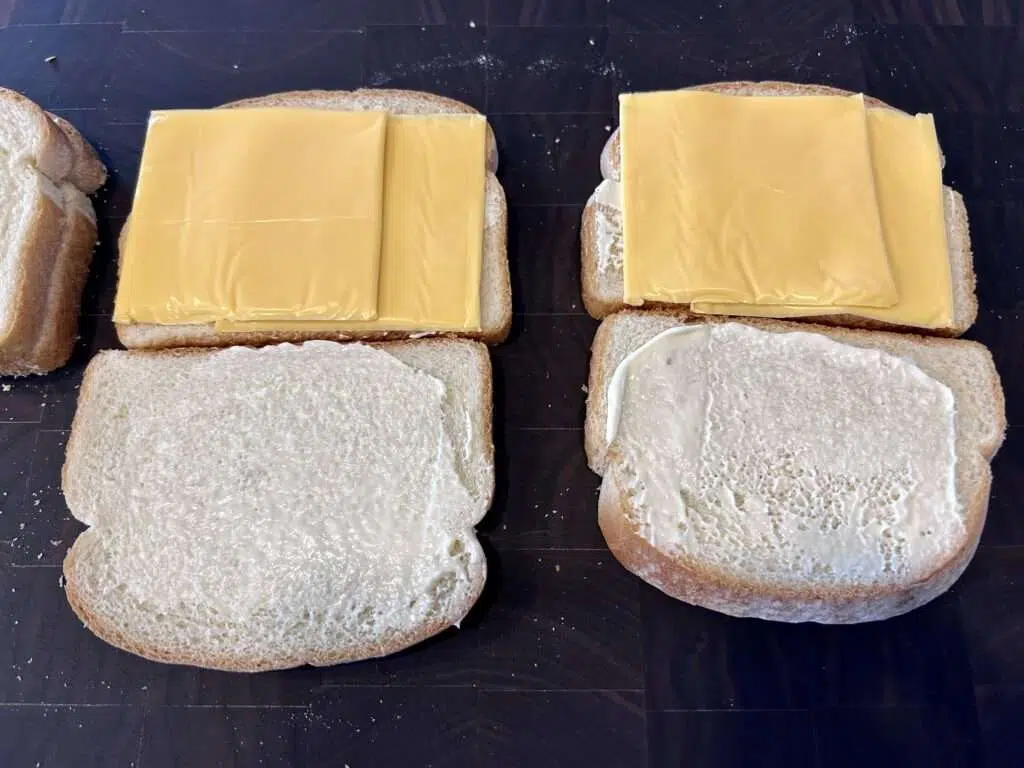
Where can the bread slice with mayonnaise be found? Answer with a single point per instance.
(254, 509)
(791, 471)
(495, 285)
(49, 231)
(601, 231)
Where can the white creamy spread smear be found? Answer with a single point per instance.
(607, 231)
(786, 456)
(326, 477)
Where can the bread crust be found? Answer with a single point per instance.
(686, 578)
(32, 285)
(87, 170)
(57, 336)
(496, 288)
(116, 636)
(601, 299)
(58, 249)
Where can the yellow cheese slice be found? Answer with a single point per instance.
(760, 200)
(255, 214)
(908, 182)
(432, 246)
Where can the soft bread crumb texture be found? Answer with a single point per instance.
(259, 509)
(728, 446)
(966, 368)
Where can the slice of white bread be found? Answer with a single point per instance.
(495, 283)
(47, 234)
(979, 423)
(255, 509)
(601, 230)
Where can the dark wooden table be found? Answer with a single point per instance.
(568, 660)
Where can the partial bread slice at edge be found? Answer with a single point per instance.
(30, 263)
(87, 171)
(495, 280)
(64, 298)
(966, 367)
(601, 232)
(53, 157)
(30, 136)
(465, 368)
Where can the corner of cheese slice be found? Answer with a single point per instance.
(907, 166)
(750, 199)
(255, 214)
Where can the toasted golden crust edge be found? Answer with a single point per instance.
(958, 231)
(115, 636)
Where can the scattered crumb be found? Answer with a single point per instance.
(584, 389)
(607, 129)
(234, 66)
(50, 59)
(558, 568)
(472, 25)
(7, 387)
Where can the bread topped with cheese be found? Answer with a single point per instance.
(791, 471)
(48, 231)
(494, 300)
(602, 232)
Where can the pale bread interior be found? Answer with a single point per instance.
(255, 509)
(965, 367)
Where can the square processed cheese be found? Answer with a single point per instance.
(908, 180)
(432, 248)
(255, 214)
(760, 200)
(432, 243)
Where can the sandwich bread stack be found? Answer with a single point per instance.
(784, 469)
(49, 230)
(280, 470)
